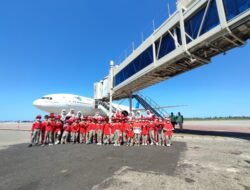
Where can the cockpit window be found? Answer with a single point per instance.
(47, 98)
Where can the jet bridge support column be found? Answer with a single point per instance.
(111, 76)
(130, 104)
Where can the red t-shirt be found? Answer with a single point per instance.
(44, 125)
(159, 125)
(74, 127)
(99, 126)
(107, 129)
(123, 127)
(151, 126)
(91, 126)
(115, 126)
(127, 126)
(112, 126)
(49, 125)
(53, 125)
(137, 125)
(58, 126)
(130, 134)
(144, 129)
(36, 125)
(83, 127)
(168, 129)
(67, 127)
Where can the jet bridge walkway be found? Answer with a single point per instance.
(187, 40)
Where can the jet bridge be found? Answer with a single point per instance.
(188, 39)
(195, 33)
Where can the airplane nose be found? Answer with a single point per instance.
(37, 103)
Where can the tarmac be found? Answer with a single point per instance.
(194, 161)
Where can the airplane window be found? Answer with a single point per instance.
(47, 98)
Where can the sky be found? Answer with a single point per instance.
(64, 46)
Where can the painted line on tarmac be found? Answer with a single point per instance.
(21, 130)
(183, 136)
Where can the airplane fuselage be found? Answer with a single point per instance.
(55, 103)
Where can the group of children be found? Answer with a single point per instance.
(98, 130)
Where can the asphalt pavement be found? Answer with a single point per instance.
(198, 159)
(77, 166)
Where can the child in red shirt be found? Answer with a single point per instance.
(130, 135)
(49, 129)
(168, 131)
(144, 133)
(58, 129)
(66, 131)
(83, 129)
(74, 130)
(35, 131)
(106, 132)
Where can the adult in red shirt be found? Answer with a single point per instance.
(168, 132)
(35, 131)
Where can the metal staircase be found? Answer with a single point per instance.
(104, 106)
(150, 105)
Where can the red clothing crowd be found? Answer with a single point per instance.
(90, 130)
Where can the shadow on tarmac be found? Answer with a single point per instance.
(245, 136)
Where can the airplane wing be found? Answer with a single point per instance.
(161, 107)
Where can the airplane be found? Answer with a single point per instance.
(55, 103)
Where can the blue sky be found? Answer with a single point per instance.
(65, 46)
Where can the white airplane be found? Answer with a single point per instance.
(55, 103)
